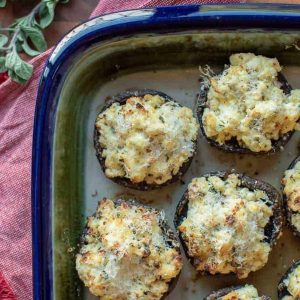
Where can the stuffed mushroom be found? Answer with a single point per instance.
(228, 223)
(239, 292)
(249, 107)
(291, 195)
(128, 252)
(289, 285)
(144, 139)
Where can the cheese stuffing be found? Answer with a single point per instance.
(291, 182)
(148, 139)
(246, 103)
(126, 254)
(293, 284)
(224, 227)
(247, 292)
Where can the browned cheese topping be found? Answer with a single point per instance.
(291, 183)
(148, 139)
(224, 227)
(126, 254)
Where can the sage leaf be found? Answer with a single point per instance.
(21, 37)
(24, 70)
(35, 35)
(46, 13)
(18, 42)
(20, 68)
(3, 40)
(2, 3)
(28, 50)
(18, 46)
(11, 59)
(2, 65)
(26, 36)
(21, 21)
(15, 77)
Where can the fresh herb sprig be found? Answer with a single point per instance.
(25, 35)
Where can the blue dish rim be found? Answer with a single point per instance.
(161, 19)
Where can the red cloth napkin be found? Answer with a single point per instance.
(5, 291)
(17, 105)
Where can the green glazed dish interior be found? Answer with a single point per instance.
(168, 63)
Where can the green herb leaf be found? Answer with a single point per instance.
(21, 37)
(18, 46)
(3, 40)
(11, 59)
(24, 70)
(19, 68)
(21, 21)
(2, 3)
(35, 35)
(46, 13)
(28, 50)
(15, 77)
(25, 35)
(2, 65)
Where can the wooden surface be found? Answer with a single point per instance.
(69, 15)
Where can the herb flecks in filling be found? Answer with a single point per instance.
(246, 103)
(291, 182)
(224, 227)
(126, 255)
(148, 139)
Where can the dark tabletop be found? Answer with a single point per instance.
(66, 17)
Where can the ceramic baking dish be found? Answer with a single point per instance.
(151, 48)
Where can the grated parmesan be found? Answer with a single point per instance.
(126, 255)
(224, 227)
(247, 292)
(291, 182)
(293, 283)
(148, 139)
(246, 103)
